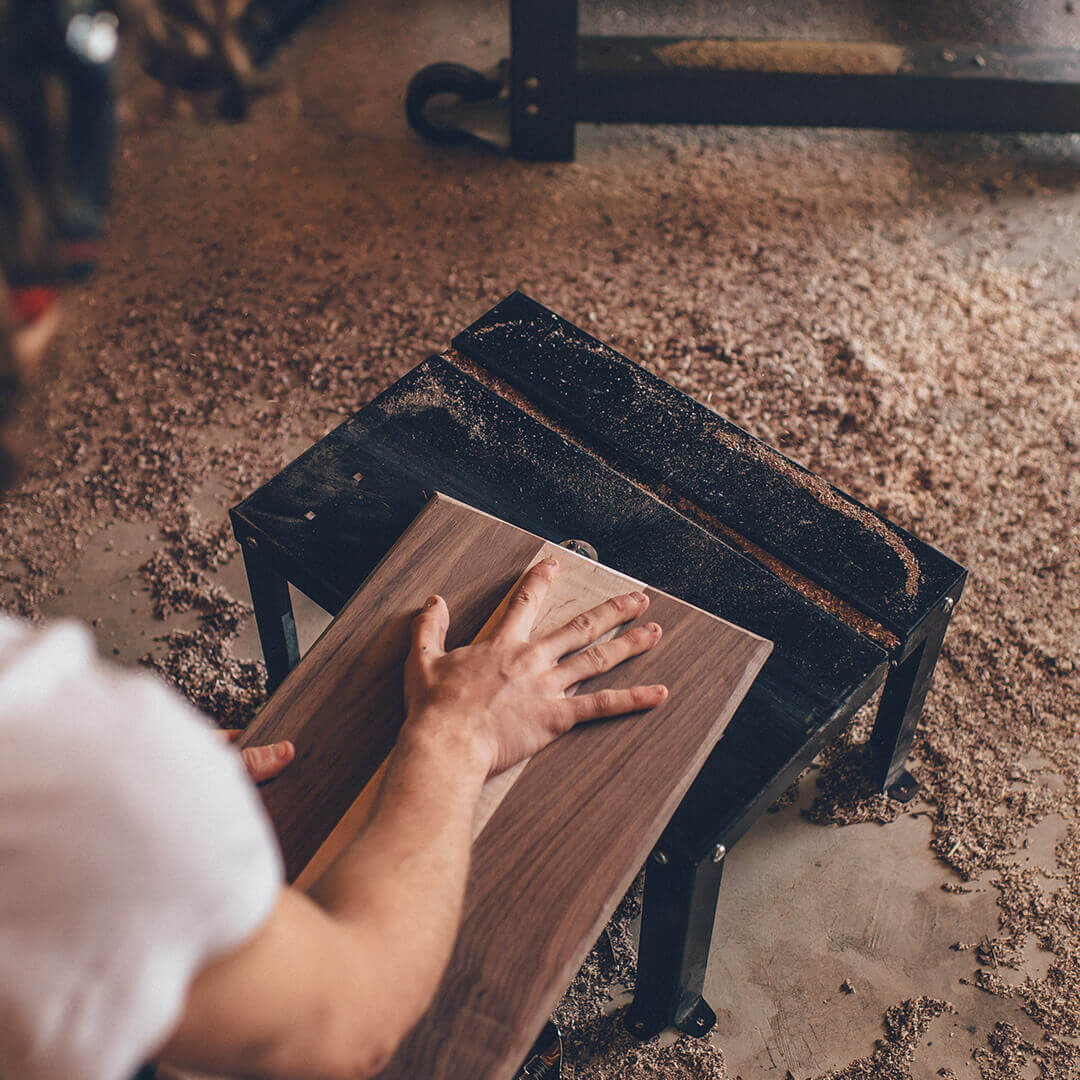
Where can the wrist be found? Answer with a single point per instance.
(448, 737)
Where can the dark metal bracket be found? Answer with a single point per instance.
(696, 1018)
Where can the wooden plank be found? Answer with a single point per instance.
(345, 721)
(581, 584)
(557, 848)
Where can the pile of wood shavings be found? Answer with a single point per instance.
(198, 661)
(1031, 905)
(905, 1026)
(1009, 1056)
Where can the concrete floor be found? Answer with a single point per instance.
(804, 907)
(807, 907)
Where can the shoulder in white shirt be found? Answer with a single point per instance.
(133, 851)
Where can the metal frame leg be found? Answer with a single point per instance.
(273, 614)
(543, 79)
(676, 933)
(901, 706)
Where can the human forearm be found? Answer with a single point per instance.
(361, 972)
(400, 885)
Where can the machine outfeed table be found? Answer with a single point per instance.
(531, 419)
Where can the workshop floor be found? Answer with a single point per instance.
(897, 312)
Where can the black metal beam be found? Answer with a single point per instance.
(902, 703)
(929, 87)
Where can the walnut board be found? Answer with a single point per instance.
(581, 584)
(558, 840)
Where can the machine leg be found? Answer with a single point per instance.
(273, 614)
(543, 79)
(676, 934)
(899, 710)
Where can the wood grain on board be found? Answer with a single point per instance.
(581, 584)
(560, 840)
(342, 704)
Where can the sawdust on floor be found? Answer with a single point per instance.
(740, 273)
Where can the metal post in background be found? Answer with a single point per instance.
(543, 79)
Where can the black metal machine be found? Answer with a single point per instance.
(556, 78)
(531, 419)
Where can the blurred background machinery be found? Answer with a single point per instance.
(555, 78)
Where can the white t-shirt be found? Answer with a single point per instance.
(133, 850)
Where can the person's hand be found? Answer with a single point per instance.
(510, 696)
(263, 762)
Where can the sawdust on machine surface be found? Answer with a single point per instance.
(809, 588)
(829, 497)
(733, 264)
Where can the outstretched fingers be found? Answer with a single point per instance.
(429, 629)
(525, 601)
(597, 659)
(605, 703)
(585, 628)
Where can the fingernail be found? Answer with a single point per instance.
(653, 628)
(640, 597)
(549, 561)
(281, 751)
(659, 689)
(431, 601)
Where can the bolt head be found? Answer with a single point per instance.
(251, 542)
(719, 852)
(660, 857)
(948, 605)
(581, 547)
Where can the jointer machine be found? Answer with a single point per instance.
(528, 418)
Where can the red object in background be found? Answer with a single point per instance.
(30, 302)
